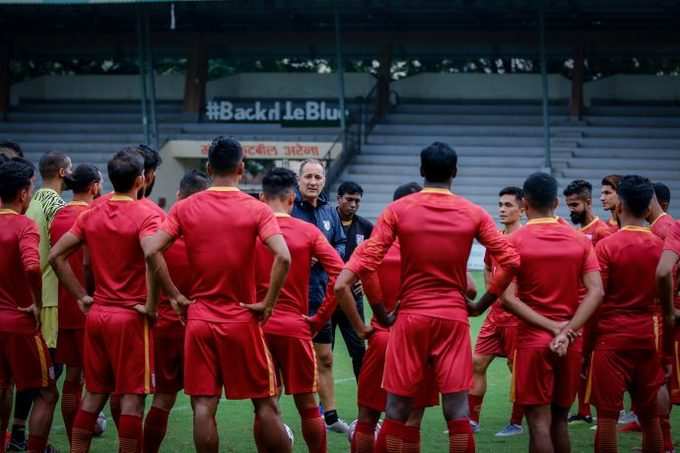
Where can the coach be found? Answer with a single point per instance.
(311, 205)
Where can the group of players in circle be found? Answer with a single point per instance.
(216, 296)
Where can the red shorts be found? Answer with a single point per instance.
(24, 361)
(613, 372)
(294, 360)
(371, 393)
(418, 342)
(675, 379)
(169, 356)
(541, 378)
(118, 354)
(232, 355)
(496, 340)
(70, 347)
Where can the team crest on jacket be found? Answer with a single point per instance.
(360, 238)
(327, 225)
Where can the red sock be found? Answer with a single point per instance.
(114, 405)
(583, 407)
(411, 437)
(475, 404)
(314, 430)
(155, 426)
(461, 438)
(390, 437)
(517, 414)
(364, 438)
(129, 434)
(83, 428)
(666, 432)
(70, 402)
(36, 444)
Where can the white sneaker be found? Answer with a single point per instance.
(510, 430)
(100, 426)
(352, 429)
(291, 436)
(475, 426)
(338, 427)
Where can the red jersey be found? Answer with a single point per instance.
(112, 231)
(220, 227)
(305, 241)
(628, 261)
(554, 259)
(384, 284)
(672, 243)
(181, 274)
(435, 229)
(19, 242)
(70, 315)
(596, 230)
(613, 225)
(498, 315)
(662, 225)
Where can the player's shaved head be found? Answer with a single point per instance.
(406, 189)
(15, 175)
(635, 193)
(438, 163)
(663, 194)
(278, 183)
(10, 149)
(52, 163)
(225, 155)
(540, 191)
(192, 182)
(583, 189)
(124, 168)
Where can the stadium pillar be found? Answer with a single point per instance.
(4, 78)
(340, 68)
(151, 80)
(142, 73)
(576, 101)
(547, 166)
(384, 75)
(196, 77)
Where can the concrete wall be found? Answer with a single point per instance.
(435, 86)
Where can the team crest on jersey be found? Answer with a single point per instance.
(589, 236)
(327, 225)
(360, 238)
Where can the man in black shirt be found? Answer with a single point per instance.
(357, 229)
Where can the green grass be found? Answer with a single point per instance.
(235, 418)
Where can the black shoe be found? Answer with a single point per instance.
(580, 419)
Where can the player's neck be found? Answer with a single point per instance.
(132, 193)
(83, 197)
(655, 212)
(345, 218)
(588, 218)
(226, 181)
(437, 185)
(55, 184)
(539, 214)
(630, 220)
(16, 207)
(279, 207)
(509, 228)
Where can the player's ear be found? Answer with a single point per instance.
(455, 172)
(241, 168)
(209, 170)
(556, 203)
(261, 196)
(422, 173)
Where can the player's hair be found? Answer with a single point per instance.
(310, 161)
(83, 176)
(350, 187)
(406, 189)
(15, 175)
(224, 155)
(662, 192)
(438, 162)
(540, 190)
(152, 158)
(192, 182)
(12, 146)
(579, 187)
(612, 181)
(124, 167)
(512, 190)
(278, 183)
(51, 162)
(636, 192)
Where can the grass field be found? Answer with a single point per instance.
(235, 418)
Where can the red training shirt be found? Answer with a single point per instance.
(625, 320)
(220, 227)
(498, 315)
(70, 315)
(19, 242)
(672, 243)
(305, 241)
(554, 259)
(182, 276)
(384, 284)
(112, 231)
(596, 230)
(435, 229)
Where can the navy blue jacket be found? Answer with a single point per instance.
(325, 218)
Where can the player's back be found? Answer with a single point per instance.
(553, 259)
(294, 297)
(220, 227)
(112, 231)
(19, 239)
(628, 260)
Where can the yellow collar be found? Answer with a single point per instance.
(636, 228)
(590, 224)
(657, 219)
(224, 189)
(6, 211)
(542, 221)
(436, 190)
(281, 214)
(77, 203)
(118, 197)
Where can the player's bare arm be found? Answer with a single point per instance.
(34, 276)
(157, 268)
(280, 267)
(343, 293)
(325, 254)
(373, 292)
(664, 283)
(68, 244)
